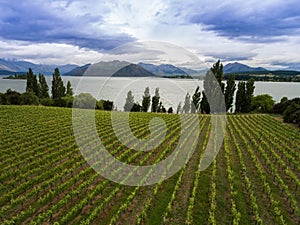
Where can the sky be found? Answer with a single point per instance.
(254, 32)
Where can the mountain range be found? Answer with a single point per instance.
(8, 67)
(119, 68)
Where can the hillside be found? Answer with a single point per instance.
(238, 68)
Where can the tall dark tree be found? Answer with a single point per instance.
(69, 91)
(129, 102)
(240, 97)
(217, 70)
(213, 98)
(58, 88)
(204, 105)
(229, 92)
(155, 101)
(196, 101)
(32, 84)
(249, 95)
(179, 109)
(187, 103)
(43, 87)
(146, 100)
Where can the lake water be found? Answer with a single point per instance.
(172, 91)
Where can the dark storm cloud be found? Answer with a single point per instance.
(33, 21)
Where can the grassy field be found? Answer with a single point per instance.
(45, 180)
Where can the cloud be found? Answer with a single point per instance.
(232, 56)
(50, 22)
(257, 21)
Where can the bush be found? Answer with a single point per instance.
(292, 113)
(46, 101)
(29, 98)
(84, 101)
(262, 103)
(10, 98)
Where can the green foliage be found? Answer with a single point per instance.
(170, 110)
(262, 103)
(196, 101)
(146, 100)
(155, 101)
(217, 70)
(240, 97)
(32, 84)
(204, 105)
(46, 101)
(179, 108)
(10, 98)
(84, 101)
(229, 92)
(244, 96)
(280, 107)
(105, 105)
(249, 95)
(67, 101)
(136, 107)
(292, 113)
(43, 87)
(58, 88)
(129, 102)
(29, 98)
(69, 91)
(187, 103)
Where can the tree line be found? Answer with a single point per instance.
(196, 103)
(37, 93)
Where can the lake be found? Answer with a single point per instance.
(172, 91)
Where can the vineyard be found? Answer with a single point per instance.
(44, 179)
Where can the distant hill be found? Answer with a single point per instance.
(163, 69)
(16, 66)
(133, 70)
(239, 67)
(77, 71)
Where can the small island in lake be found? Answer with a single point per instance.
(16, 77)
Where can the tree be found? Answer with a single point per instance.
(32, 83)
(11, 98)
(170, 110)
(292, 113)
(213, 90)
(129, 102)
(29, 98)
(178, 110)
(229, 92)
(155, 101)
(58, 88)
(69, 91)
(146, 100)
(84, 101)
(187, 103)
(262, 103)
(136, 107)
(240, 97)
(217, 70)
(196, 100)
(43, 87)
(249, 95)
(204, 105)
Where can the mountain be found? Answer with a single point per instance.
(16, 66)
(238, 68)
(133, 70)
(77, 71)
(163, 69)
